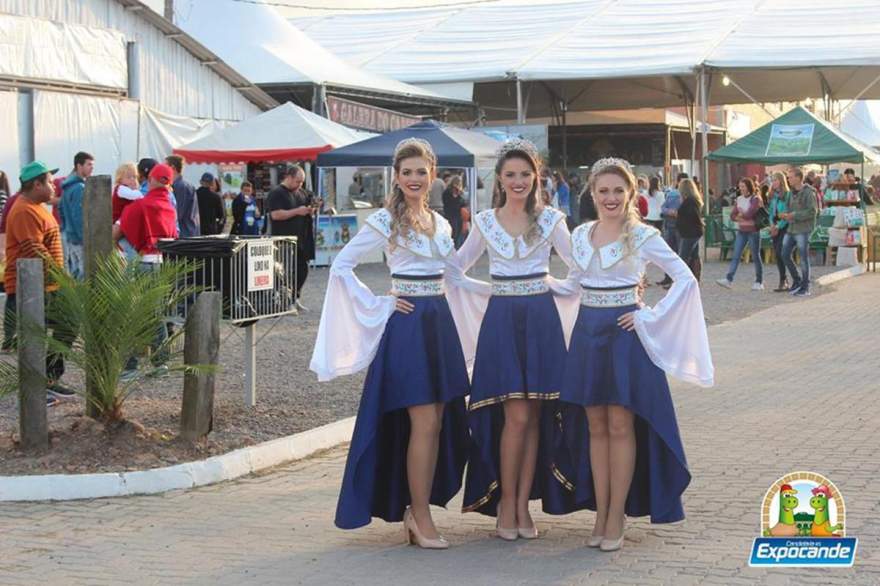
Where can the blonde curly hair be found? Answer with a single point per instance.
(632, 217)
(404, 220)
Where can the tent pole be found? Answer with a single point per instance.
(564, 136)
(693, 129)
(705, 81)
(520, 111)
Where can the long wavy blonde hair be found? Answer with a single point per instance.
(630, 210)
(403, 218)
(534, 206)
(688, 189)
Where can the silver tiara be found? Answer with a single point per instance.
(519, 144)
(412, 142)
(610, 162)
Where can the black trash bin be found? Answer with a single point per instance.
(222, 265)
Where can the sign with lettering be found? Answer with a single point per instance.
(366, 117)
(260, 265)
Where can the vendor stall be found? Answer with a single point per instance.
(287, 133)
(800, 138)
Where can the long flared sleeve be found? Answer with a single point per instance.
(467, 297)
(673, 332)
(566, 292)
(353, 318)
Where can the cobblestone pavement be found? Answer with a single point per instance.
(797, 389)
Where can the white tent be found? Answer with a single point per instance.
(862, 121)
(260, 44)
(285, 133)
(601, 54)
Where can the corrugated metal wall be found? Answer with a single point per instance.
(171, 79)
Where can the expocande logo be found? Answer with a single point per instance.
(803, 523)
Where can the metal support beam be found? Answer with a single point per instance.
(520, 110)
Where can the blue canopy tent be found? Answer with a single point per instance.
(454, 147)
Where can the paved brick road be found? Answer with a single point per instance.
(797, 389)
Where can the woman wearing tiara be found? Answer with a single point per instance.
(623, 454)
(410, 439)
(520, 350)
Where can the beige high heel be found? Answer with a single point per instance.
(505, 534)
(414, 536)
(609, 545)
(595, 540)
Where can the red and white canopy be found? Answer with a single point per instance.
(285, 133)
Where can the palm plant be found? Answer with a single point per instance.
(114, 314)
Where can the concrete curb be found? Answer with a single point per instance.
(830, 278)
(64, 487)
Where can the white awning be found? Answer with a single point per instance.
(599, 54)
(256, 41)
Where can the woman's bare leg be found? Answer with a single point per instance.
(622, 459)
(597, 418)
(527, 467)
(513, 437)
(421, 462)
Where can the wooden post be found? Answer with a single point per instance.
(201, 347)
(97, 244)
(31, 319)
(97, 221)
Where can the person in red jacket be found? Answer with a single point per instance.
(143, 223)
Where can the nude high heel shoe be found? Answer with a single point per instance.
(609, 545)
(595, 540)
(505, 534)
(414, 536)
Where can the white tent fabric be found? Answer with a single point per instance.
(258, 42)
(65, 124)
(287, 127)
(862, 121)
(644, 52)
(32, 48)
(10, 161)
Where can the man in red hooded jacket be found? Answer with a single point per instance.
(143, 223)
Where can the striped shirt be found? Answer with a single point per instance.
(31, 232)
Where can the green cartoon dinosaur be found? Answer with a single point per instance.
(821, 521)
(788, 502)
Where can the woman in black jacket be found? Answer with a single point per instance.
(690, 226)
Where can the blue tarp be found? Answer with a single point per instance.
(454, 147)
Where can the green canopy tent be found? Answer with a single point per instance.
(796, 138)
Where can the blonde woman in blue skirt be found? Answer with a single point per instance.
(410, 440)
(621, 452)
(520, 348)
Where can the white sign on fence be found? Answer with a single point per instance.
(260, 265)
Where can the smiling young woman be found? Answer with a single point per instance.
(623, 454)
(410, 440)
(520, 349)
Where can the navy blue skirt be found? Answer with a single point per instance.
(419, 362)
(520, 355)
(607, 365)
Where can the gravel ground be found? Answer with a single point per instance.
(289, 398)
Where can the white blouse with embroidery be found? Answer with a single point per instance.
(508, 257)
(673, 332)
(353, 318)
(511, 257)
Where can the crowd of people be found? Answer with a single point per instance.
(150, 201)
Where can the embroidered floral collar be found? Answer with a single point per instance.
(506, 245)
(418, 244)
(609, 255)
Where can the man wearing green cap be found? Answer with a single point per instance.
(32, 232)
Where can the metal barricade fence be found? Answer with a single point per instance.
(256, 276)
